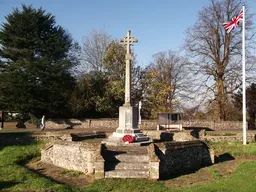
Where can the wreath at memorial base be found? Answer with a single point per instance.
(128, 138)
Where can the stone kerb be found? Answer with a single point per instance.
(99, 163)
(154, 162)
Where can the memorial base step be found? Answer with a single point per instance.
(126, 162)
(127, 174)
(126, 166)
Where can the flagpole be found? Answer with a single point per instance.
(244, 88)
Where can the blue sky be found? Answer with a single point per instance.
(159, 25)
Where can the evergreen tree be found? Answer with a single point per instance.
(34, 67)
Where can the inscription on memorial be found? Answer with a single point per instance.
(128, 119)
(128, 131)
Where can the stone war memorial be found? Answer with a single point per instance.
(128, 152)
(128, 114)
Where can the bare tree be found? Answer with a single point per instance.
(217, 54)
(166, 82)
(94, 48)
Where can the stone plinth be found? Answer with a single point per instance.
(128, 125)
(128, 121)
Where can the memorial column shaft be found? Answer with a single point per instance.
(128, 80)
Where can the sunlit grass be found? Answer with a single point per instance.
(234, 148)
(15, 177)
(244, 179)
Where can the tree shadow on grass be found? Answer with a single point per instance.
(16, 139)
(40, 174)
(7, 184)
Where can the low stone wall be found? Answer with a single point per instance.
(250, 137)
(145, 124)
(166, 158)
(178, 157)
(148, 124)
(93, 123)
(75, 156)
(67, 123)
(216, 126)
(104, 123)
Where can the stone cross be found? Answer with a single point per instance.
(128, 41)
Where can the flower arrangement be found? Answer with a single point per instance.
(128, 138)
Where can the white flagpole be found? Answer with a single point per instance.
(244, 88)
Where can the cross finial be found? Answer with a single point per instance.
(128, 41)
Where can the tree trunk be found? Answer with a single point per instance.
(221, 100)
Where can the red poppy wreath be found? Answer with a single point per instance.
(128, 138)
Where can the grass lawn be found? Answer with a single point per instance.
(15, 177)
(244, 180)
(234, 148)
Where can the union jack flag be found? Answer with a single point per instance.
(234, 23)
